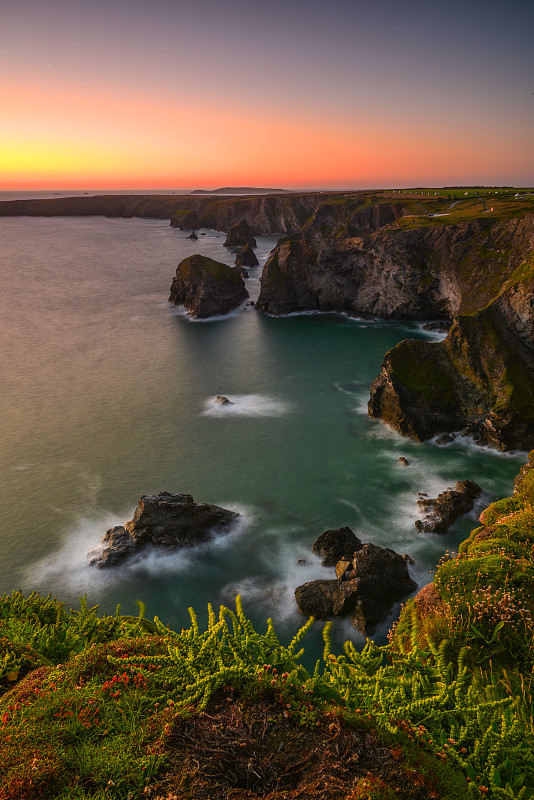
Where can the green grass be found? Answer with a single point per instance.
(94, 710)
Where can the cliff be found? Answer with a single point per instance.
(430, 272)
(480, 378)
(269, 214)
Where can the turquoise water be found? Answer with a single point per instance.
(107, 393)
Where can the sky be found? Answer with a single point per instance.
(299, 94)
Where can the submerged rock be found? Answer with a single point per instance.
(442, 511)
(207, 288)
(367, 585)
(335, 544)
(166, 521)
(240, 235)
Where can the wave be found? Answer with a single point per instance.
(246, 405)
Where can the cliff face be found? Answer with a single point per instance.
(270, 214)
(436, 271)
(480, 378)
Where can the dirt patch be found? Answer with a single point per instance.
(241, 749)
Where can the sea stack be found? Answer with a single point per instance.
(207, 288)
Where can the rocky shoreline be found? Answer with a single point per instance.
(379, 255)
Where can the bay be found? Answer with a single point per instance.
(107, 393)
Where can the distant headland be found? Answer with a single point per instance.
(232, 190)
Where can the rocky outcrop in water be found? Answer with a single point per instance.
(207, 288)
(240, 235)
(164, 521)
(334, 544)
(246, 257)
(368, 583)
(440, 512)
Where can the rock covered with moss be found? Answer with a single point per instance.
(165, 521)
(207, 288)
(480, 379)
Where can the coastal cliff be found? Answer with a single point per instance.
(267, 214)
(479, 379)
(431, 272)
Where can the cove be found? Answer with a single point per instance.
(108, 393)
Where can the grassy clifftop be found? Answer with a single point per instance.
(115, 707)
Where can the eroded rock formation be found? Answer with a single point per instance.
(240, 235)
(442, 511)
(207, 288)
(246, 257)
(370, 579)
(165, 521)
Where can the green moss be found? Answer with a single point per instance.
(414, 364)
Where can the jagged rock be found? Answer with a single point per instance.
(246, 257)
(335, 544)
(442, 511)
(367, 586)
(404, 461)
(167, 521)
(192, 236)
(444, 439)
(240, 235)
(207, 288)
(222, 401)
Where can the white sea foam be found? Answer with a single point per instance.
(70, 561)
(246, 405)
(179, 311)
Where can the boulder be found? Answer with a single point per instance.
(444, 439)
(240, 235)
(367, 586)
(246, 257)
(166, 521)
(207, 288)
(192, 236)
(443, 510)
(335, 544)
(222, 401)
(404, 461)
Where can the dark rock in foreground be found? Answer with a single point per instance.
(207, 288)
(240, 235)
(442, 511)
(335, 544)
(246, 257)
(167, 521)
(368, 584)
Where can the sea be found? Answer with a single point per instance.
(108, 393)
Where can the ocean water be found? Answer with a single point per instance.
(107, 393)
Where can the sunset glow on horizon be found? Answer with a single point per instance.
(170, 95)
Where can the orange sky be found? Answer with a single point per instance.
(87, 112)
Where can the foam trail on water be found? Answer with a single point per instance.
(246, 405)
(70, 562)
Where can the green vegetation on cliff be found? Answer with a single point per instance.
(102, 707)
